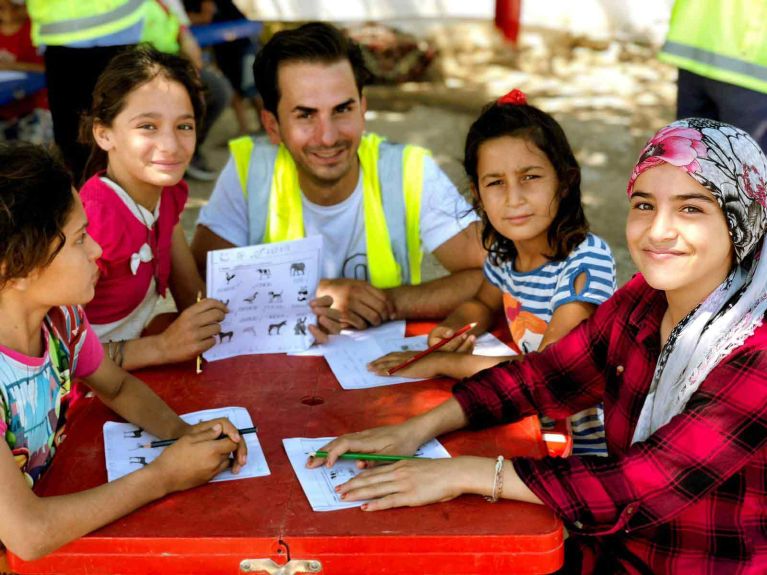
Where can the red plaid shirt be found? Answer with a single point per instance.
(689, 499)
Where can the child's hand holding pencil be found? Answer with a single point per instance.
(458, 343)
(426, 363)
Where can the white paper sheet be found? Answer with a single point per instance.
(348, 356)
(124, 455)
(319, 484)
(388, 330)
(267, 289)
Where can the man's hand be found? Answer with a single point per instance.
(360, 304)
(328, 318)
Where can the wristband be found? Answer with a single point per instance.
(497, 481)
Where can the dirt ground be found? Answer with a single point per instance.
(609, 96)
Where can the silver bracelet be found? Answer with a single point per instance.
(497, 481)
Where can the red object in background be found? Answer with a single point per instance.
(507, 14)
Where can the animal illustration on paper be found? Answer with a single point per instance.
(277, 327)
(252, 298)
(275, 297)
(225, 335)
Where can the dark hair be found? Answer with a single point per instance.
(569, 226)
(35, 201)
(313, 42)
(128, 70)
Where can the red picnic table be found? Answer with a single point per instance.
(265, 525)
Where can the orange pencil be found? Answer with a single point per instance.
(434, 347)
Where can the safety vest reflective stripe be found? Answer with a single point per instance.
(79, 24)
(284, 220)
(716, 60)
(724, 40)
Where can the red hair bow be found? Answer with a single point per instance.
(513, 98)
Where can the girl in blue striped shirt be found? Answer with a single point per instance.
(544, 269)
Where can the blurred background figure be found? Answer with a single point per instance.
(720, 48)
(27, 118)
(79, 39)
(234, 58)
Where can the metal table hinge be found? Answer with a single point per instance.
(290, 568)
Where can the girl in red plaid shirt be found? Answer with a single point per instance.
(679, 357)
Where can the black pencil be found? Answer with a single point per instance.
(166, 442)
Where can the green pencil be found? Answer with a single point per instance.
(367, 456)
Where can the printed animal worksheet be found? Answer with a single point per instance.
(319, 484)
(124, 451)
(348, 355)
(267, 289)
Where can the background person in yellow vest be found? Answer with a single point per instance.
(376, 204)
(80, 37)
(720, 47)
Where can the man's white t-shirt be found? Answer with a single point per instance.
(444, 213)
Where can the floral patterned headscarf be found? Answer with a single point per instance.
(727, 162)
(731, 165)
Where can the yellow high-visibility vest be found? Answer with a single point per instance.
(725, 40)
(284, 218)
(67, 22)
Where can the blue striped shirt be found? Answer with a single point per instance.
(530, 300)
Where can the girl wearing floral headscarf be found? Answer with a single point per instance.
(679, 357)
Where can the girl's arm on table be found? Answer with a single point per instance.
(131, 398)
(454, 359)
(563, 320)
(193, 331)
(34, 526)
(410, 483)
(400, 439)
(418, 482)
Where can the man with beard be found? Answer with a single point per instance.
(376, 204)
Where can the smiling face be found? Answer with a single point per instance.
(677, 233)
(320, 119)
(71, 277)
(152, 139)
(517, 185)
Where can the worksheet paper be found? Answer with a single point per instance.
(348, 355)
(388, 330)
(267, 289)
(124, 454)
(319, 484)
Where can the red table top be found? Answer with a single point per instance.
(212, 528)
